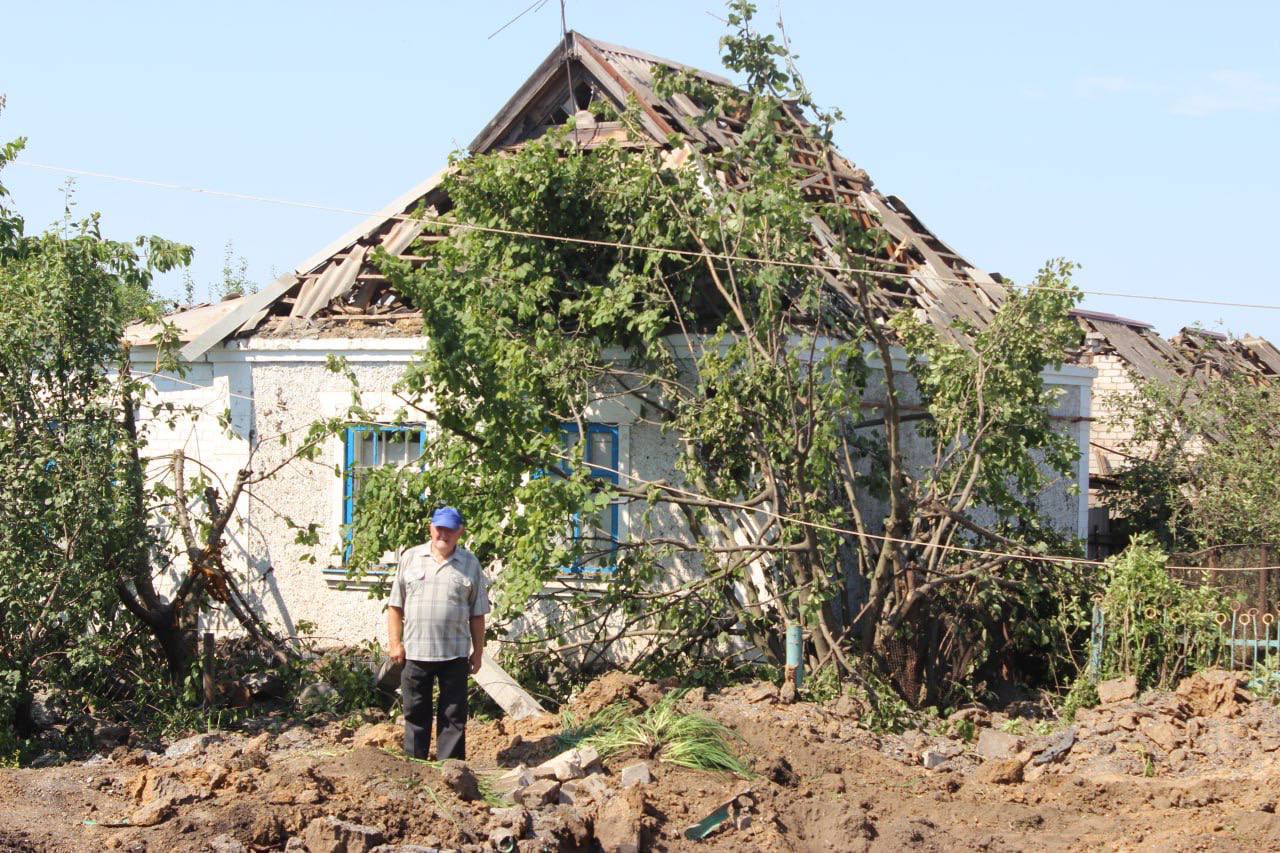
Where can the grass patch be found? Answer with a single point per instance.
(661, 732)
(397, 752)
(574, 732)
(490, 796)
(484, 782)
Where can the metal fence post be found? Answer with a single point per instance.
(206, 670)
(795, 654)
(1264, 581)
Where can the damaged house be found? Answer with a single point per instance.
(1127, 353)
(261, 358)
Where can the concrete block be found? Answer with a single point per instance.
(636, 774)
(993, 743)
(539, 794)
(1117, 690)
(579, 792)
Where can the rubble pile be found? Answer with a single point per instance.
(1196, 763)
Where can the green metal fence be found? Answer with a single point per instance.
(1249, 639)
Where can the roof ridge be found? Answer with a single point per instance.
(654, 58)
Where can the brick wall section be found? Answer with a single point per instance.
(1114, 382)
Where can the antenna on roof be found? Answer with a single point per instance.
(532, 7)
(568, 70)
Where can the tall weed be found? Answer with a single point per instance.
(1155, 627)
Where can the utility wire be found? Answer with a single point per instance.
(612, 244)
(639, 247)
(688, 253)
(532, 7)
(816, 525)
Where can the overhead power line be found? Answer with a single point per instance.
(830, 528)
(612, 244)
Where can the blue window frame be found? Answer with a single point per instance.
(599, 533)
(370, 446)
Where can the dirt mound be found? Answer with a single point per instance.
(613, 689)
(1161, 771)
(1214, 693)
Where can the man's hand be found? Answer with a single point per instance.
(476, 658)
(395, 633)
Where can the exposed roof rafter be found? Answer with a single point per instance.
(339, 280)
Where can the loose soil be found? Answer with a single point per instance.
(1198, 769)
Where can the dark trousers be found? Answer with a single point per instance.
(451, 720)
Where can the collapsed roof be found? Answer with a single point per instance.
(1194, 353)
(340, 285)
(1137, 343)
(1252, 358)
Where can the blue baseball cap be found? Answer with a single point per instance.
(447, 516)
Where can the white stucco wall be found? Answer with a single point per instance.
(275, 387)
(278, 387)
(199, 398)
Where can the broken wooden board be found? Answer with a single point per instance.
(493, 679)
(503, 689)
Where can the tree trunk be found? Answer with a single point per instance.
(177, 636)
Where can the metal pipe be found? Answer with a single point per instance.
(206, 670)
(795, 654)
(1234, 615)
(1254, 623)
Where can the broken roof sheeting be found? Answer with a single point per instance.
(1193, 353)
(247, 315)
(1137, 343)
(189, 322)
(1254, 359)
(1264, 351)
(935, 279)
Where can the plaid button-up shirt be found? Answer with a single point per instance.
(438, 600)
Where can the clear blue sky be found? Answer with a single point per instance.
(1139, 139)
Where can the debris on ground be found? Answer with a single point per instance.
(1214, 693)
(1193, 768)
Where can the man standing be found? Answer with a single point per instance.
(435, 623)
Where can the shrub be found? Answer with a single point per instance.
(1155, 627)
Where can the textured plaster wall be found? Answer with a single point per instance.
(271, 390)
(279, 388)
(289, 397)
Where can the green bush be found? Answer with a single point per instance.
(350, 672)
(1155, 627)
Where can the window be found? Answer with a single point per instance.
(599, 533)
(366, 447)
